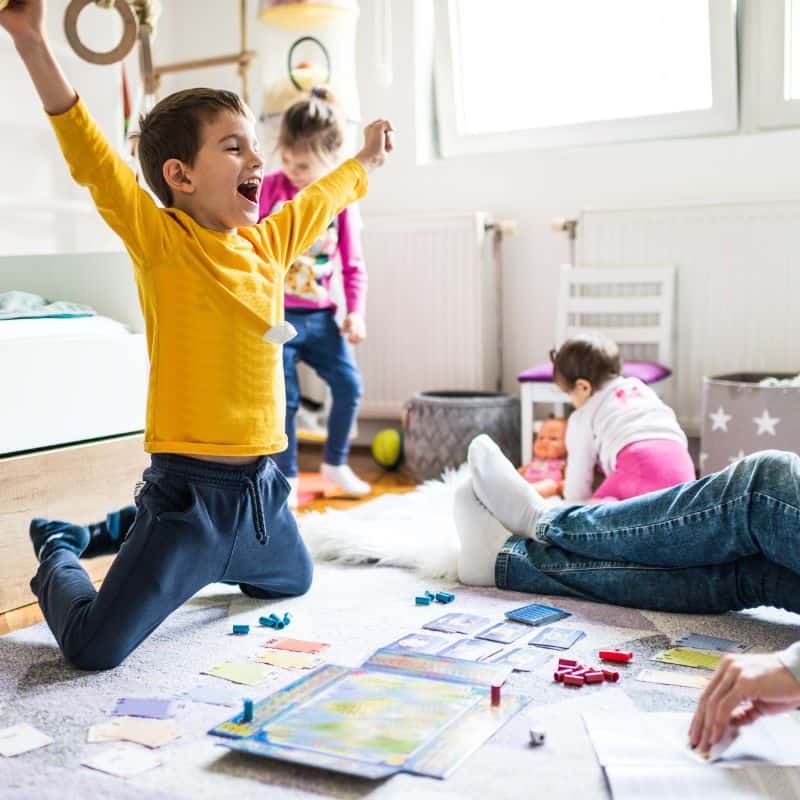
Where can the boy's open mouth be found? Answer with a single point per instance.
(249, 189)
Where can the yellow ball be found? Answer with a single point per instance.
(387, 448)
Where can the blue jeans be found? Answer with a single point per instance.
(725, 542)
(196, 523)
(321, 345)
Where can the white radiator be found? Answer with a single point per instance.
(737, 284)
(431, 309)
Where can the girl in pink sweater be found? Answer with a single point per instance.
(308, 144)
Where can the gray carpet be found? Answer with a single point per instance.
(357, 609)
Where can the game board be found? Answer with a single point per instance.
(397, 712)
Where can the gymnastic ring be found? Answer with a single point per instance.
(130, 29)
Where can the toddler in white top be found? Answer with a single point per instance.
(619, 424)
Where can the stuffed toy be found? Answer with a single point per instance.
(546, 471)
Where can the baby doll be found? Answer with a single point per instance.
(546, 470)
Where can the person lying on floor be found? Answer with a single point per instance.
(725, 542)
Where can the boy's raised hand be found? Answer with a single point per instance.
(22, 18)
(377, 143)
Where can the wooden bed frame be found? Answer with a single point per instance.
(80, 483)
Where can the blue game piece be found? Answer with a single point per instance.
(445, 597)
(279, 625)
(429, 594)
(287, 618)
(238, 629)
(266, 622)
(422, 601)
(274, 617)
(247, 716)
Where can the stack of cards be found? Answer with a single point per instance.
(557, 638)
(457, 623)
(419, 643)
(537, 614)
(699, 641)
(471, 650)
(504, 632)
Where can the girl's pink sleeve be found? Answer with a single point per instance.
(354, 272)
(267, 198)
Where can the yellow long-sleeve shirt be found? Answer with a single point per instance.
(216, 386)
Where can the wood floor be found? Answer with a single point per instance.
(309, 458)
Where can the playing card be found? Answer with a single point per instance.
(419, 643)
(471, 650)
(523, 659)
(555, 638)
(121, 761)
(504, 632)
(684, 657)
(457, 623)
(215, 695)
(21, 738)
(149, 732)
(242, 672)
(288, 660)
(670, 678)
(154, 707)
(295, 645)
(700, 641)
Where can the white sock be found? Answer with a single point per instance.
(292, 499)
(509, 497)
(481, 536)
(346, 479)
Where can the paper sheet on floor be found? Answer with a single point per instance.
(661, 740)
(703, 783)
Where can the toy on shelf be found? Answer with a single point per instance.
(546, 470)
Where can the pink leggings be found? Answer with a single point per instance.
(647, 466)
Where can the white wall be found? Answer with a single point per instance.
(41, 209)
(535, 186)
(531, 187)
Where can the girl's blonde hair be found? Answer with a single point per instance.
(313, 124)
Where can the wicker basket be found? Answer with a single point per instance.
(438, 427)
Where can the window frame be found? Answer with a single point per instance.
(774, 110)
(722, 117)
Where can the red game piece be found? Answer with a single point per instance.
(594, 676)
(495, 695)
(573, 680)
(567, 662)
(611, 675)
(622, 656)
(558, 676)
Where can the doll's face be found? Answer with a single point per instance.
(550, 441)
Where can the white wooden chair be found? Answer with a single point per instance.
(631, 305)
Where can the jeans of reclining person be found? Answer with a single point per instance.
(728, 541)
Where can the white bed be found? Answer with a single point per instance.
(74, 379)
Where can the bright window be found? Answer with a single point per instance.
(527, 73)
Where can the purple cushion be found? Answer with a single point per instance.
(645, 371)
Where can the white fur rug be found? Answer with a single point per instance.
(412, 530)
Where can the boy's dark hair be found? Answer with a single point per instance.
(589, 356)
(312, 124)
(173, 130)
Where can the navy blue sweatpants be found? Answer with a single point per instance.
(196, 523)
